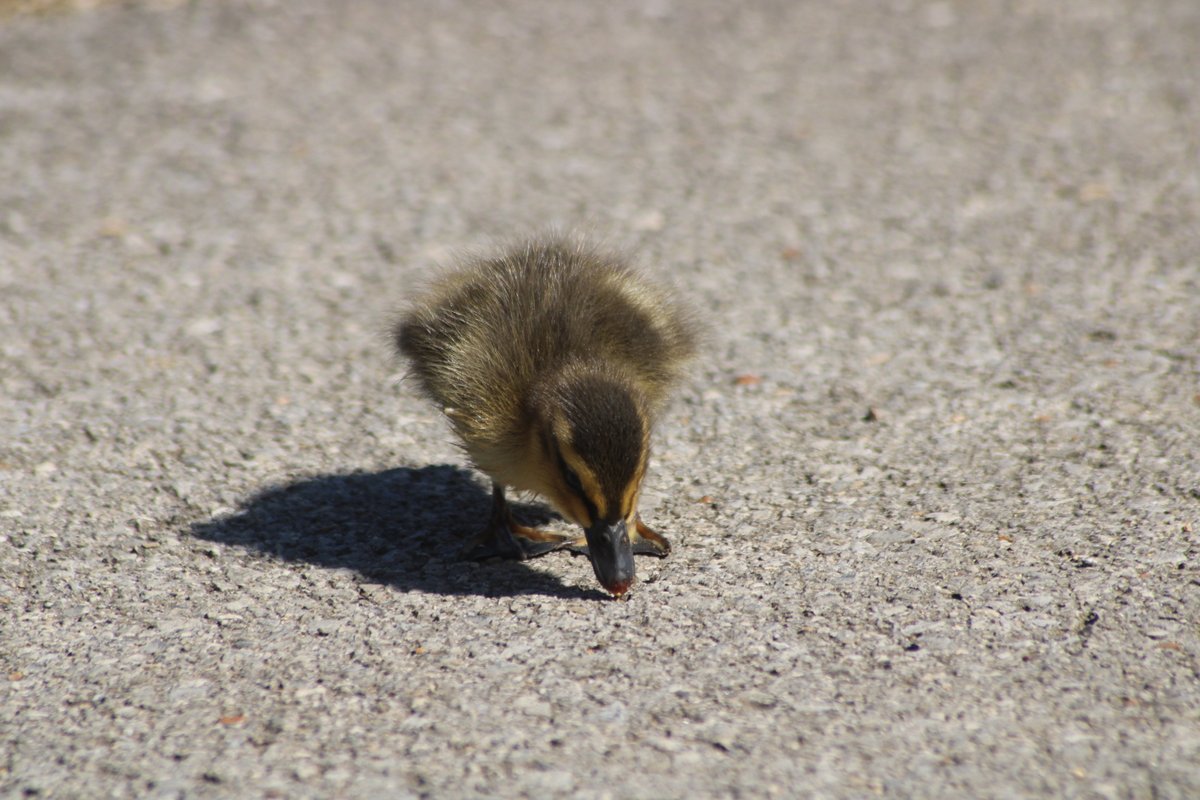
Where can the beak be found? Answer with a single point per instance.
(611, 555)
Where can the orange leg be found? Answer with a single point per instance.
(649, 543)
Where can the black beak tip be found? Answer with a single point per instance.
(612, 556)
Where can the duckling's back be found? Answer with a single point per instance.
(483, 336)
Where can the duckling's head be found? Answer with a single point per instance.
(593, 427)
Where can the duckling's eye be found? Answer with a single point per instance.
(572, 480)
(570, 476)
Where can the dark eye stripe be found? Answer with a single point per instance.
(576, 486)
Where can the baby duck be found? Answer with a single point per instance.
(551, 361)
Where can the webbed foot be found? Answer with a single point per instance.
(504, 538)
(648, 542)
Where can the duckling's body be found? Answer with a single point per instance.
(551, 362)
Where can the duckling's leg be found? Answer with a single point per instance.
(504, 537)
(649, 543)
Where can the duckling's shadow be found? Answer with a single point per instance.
(403, 527)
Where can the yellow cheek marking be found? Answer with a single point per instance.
(630, 498)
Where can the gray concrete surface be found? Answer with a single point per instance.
(934, 485)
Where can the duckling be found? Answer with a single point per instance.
(551, 361)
